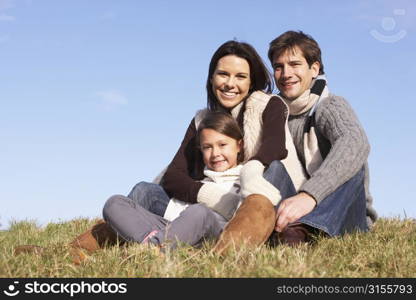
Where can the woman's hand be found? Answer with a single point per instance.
(292, 209)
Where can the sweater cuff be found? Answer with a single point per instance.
(218, 199)
(250, 169)
(312, 190)
(253, 182)
(209, 194)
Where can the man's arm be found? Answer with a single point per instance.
(337, 122)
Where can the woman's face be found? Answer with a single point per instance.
(231, 80)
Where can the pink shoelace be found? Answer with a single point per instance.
(149, 236)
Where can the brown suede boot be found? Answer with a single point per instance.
(251, 225)
(99, 236)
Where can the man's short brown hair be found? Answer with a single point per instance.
(291, 39)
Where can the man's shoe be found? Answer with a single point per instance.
(294, 235)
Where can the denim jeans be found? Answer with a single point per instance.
(150, 196)
(341, 212)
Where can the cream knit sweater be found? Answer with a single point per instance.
(228, 181)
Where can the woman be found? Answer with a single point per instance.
(239, 84)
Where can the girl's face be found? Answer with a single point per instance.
(219, 151)
(231, 80)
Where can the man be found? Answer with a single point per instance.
(330, 143)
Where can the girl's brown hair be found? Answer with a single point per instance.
(291, 39)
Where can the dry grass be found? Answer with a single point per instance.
(387, 251)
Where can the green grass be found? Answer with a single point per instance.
(389, 250)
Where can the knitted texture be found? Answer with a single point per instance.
(342, 137)
(253, 182)
(255, 106)
(219, 199)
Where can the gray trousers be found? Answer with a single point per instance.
(133, 223)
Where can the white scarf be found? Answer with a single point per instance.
(309, 97)
(309, 101)
(229, 179)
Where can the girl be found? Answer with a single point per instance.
(219, 140)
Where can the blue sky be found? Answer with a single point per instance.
(96, 95)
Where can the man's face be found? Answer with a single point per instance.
(292, 73)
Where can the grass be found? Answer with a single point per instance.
(389, 250)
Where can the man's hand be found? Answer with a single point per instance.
(292, 209)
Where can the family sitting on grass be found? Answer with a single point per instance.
(253, 166)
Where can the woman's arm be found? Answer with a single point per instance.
(273, 147)
(181, 178)
(273, 143)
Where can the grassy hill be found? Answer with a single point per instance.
(389, 250)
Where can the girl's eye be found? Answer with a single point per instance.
(223, 145)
